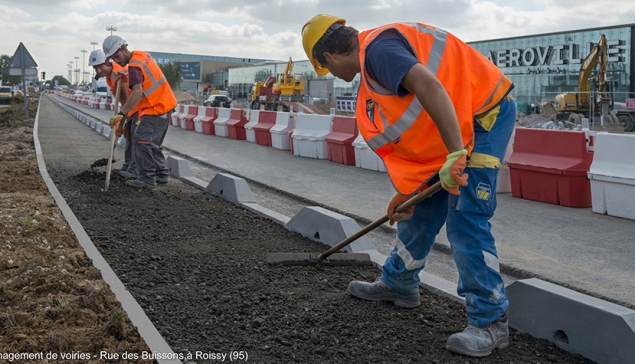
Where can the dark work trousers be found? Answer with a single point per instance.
(148, 153)
(129, 129)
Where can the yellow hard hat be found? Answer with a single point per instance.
(312, 32)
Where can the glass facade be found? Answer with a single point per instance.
(542, 66)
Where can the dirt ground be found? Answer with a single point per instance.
(196, 265)
(54, 302)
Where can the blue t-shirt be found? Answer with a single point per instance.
(388, 58)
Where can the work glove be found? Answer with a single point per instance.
(451, 174)
(396, 201)
(115, 120)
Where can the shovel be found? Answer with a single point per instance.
(329, 258)
(113, 140)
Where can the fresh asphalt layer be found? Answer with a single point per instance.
(573, 247)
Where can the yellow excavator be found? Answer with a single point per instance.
(573, 106)
(276, 90)
(289, 86)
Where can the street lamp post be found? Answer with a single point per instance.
(111, 29)
(70, 73)
(76, 71)
(84, 67)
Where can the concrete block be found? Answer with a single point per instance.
(93, 123)
(328, 227)
(106, 131)
(179, 167)
(596, 329)
(231, 188)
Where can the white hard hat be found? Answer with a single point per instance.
(96, 58)
(112, 44)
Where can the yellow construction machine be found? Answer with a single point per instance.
(288, 86)
(573, 106)
(275, 91)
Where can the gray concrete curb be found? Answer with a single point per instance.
(598, 330)
(137, 316)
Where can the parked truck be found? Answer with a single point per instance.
(101, 89)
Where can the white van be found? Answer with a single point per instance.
(101, 88)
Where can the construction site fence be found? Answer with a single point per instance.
(524, 101)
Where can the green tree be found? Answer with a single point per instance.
(60, 81)
(5, 60)
(172, 73)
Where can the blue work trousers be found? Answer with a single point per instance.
(468, 228)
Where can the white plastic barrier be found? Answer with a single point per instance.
(198, 125)
(309, 136)
(102, 104)
(249, 127)
(365, 157)
(285, 122)
(182, 123)
(175, 115)
(220, 124)
(612, 175)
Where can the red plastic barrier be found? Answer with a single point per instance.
(266, 121)
(211, 114)
(340, 140)
(551, 166)
(236, 125)
(192, 112)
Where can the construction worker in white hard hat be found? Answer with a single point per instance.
(426, 103)
(113, 72)
(152, 96)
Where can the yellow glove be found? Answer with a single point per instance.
(397, 200)
(114, 121)
(451, 174)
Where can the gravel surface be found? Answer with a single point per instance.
(196, 264)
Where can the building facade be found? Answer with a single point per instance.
(541, 66)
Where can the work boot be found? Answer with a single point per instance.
(477, 342)
(378, 291)
(117, 170)
(137, 183)
(126, 174)
(162, 179)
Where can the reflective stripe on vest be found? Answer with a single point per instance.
(398, 128)
(154, 83)
(393, 132)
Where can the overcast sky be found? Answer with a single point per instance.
(55, 31)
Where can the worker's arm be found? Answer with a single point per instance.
(133, 99)
(436, 101)
(123, 91)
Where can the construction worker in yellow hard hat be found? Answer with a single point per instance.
(152, 96)
(426, 102)
(113, 72)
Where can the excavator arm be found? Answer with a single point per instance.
(596, 57)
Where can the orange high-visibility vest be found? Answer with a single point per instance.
(158, 96)
(112, 82)
(398, 129)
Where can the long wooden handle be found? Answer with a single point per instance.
(113, 139)
(370, 227)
